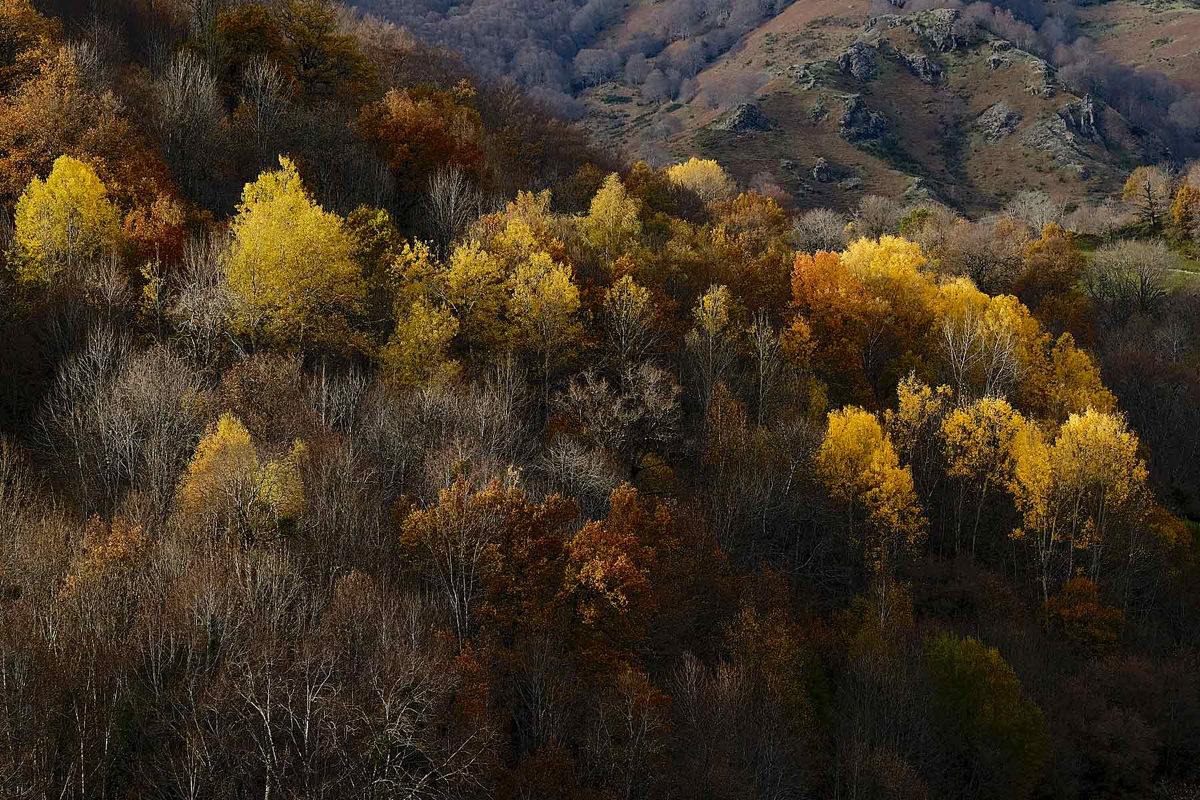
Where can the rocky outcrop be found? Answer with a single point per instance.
(861, 123)
(997, 122)
(1080, 117)
(936, 27)
(746, 118)
(918, 191)
(924, 67)
(822, 172)
(1041, 80)
(812, 74)
(1052, 136)
(858, 61)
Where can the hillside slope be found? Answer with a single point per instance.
(901, 104)
(965, 116)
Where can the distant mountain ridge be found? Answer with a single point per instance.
(892, 97)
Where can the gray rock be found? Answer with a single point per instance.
(1080, 117)
(924, 67)
(935, 26)
(997, 122)
(818, 112)
(917, 191)
(850, 183)
(811, 74)
(858, 62)
(1052, 136)
(746, 118)
(787, 164)
(1041, 79)
(1001, 46)
(995, 62)
(860, 122)
(821, 171)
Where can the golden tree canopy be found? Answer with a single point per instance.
(291, 263)
(65, 220)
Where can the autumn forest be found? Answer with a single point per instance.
(368, 431)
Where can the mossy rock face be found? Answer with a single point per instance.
(746, 118)
(860, 123)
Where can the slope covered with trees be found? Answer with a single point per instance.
(367, 432)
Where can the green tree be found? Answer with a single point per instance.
(63, 221)
(291, 264)
(999, 735)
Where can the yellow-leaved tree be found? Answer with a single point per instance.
(914, 425)
(64, 221)
(291, 264)
(629, 321)
(419, 349)
(472, 285)
(859, 467)
(986, 343)
(978, 441)
(229, 491)
(544, 303)
(712, 339)
(1084, 493)
(612, 224)
(1148, 191)
(705, 177)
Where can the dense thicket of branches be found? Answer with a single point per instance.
(552, 48)
(364, 433)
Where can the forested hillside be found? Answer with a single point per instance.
(956, 93)
(369, 431)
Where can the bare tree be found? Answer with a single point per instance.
(266, 92)
(876, 216)
(1102, 219)
(1035, 209)
(991, 259)
(453, 203)
(819, 229)
(124, 420)
(587, 474)
(628, 735)
(1129, 277)
(766, 351)
(203, 306)
(628, 424)
(16, 484)
(187, 117)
